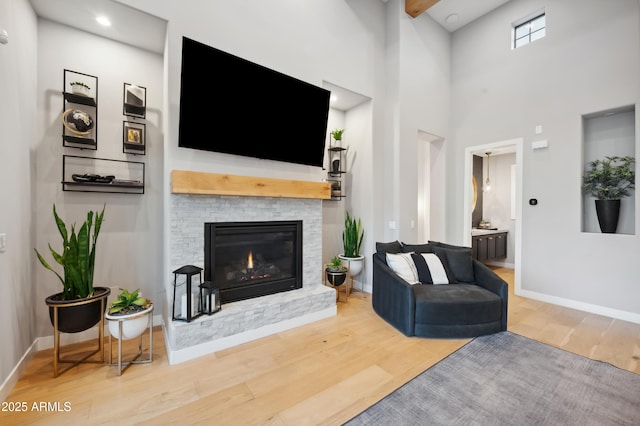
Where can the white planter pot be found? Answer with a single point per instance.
(133, 325)
(79, 90)
(355, 264)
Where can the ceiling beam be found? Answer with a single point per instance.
(414, 8)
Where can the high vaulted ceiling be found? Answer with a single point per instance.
(452, 14)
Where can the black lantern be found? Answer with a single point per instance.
(189, 298)
(210, 297)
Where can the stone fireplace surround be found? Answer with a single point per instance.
(245, 320)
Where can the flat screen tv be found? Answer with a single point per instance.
(231, 105)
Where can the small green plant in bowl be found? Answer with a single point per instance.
(128, 303)
(336, 265)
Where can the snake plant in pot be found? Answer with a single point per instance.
(80, 305)
(352, 237)
(609, 180)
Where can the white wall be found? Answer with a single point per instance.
(129, 249)
(589, 61)
(418, 76)
(18, 122)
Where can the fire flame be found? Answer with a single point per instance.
(250, 261)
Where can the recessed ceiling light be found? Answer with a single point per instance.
(103, 20)
(452, 19)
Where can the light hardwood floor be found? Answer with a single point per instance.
(321, 373)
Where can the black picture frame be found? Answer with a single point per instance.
(134, 99)
(134, 137)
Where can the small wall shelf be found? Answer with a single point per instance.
(134, 101)
(337, 167)
(609, 133)
(89, 174)
(79, 110)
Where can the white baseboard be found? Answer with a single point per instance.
(46, 342)
(17, 371)
(581, 306)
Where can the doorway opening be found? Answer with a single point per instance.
(514, 175)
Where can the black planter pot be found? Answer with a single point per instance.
(336, 278)
(78, 315)
(608, 212)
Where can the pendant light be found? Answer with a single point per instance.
(487, 184)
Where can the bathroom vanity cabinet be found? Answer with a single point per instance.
(489, 245)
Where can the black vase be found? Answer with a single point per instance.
(608, 212)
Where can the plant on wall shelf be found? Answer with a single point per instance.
(610, 179)
(79, 83)
(337, 134)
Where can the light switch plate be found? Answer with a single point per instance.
(3, 242)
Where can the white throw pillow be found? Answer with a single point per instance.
(436, 269)
(402, 264)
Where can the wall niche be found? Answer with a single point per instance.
(606, 134)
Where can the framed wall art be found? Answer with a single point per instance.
(134, 137)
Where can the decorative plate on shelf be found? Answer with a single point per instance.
(77, 121)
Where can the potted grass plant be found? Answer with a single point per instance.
(79, 305)
(609, 180)
(352, 237)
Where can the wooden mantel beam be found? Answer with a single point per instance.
(414, 8)
(189, 182)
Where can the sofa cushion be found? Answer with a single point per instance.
(458, 263)
(402, 264)
(445, 245)
(430, 268)
(456, 304)
(390, 247)
(417, 248)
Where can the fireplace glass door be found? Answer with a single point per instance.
(252, 259)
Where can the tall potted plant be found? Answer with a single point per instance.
(609, 180)
(352, 237)
(80, 305)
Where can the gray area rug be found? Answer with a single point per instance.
(507, 379)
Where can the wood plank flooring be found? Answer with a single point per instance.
(321, 373)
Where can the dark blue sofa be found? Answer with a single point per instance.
(473, 304)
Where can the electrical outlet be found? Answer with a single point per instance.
(3, 242)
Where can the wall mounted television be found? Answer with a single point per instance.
(234, 106)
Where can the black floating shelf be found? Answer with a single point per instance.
(104, 184)
(135, 110)
(79, 99)
(134, 146)
(88, 142)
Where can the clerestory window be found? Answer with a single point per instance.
(530, 30)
